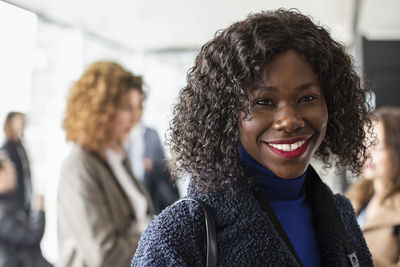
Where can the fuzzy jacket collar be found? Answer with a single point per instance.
(229, 209)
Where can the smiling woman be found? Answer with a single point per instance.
(265, 95)
(288, 116)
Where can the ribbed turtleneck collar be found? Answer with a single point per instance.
(274, 187)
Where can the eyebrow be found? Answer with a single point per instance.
(300, 87)
(308, 85)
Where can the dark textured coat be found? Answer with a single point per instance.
(20, 236)
(17, 154)
(245, 234)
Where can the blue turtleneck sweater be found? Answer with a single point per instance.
(287, 198)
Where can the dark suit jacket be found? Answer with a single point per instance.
(158, 182)
(20, 235)
(17, 154)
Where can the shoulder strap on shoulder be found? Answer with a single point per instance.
(210, 230)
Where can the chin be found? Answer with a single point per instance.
(368, 175)
(291, 175)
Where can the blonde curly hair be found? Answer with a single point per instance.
(94, 100)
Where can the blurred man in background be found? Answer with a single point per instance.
(148, 160)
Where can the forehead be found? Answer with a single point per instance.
(132, 95)
(289, 63)
(286, 71)
(18, 118)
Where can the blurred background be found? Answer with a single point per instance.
(45, 45)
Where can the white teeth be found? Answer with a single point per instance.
(288, 147)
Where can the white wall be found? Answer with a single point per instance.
(16, 59)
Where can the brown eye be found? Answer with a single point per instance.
(265, 102)
(308, 98)
(126, 108)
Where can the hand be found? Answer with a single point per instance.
(8, 176)
(148, 164)
(37, 202)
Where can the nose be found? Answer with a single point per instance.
(136, 114)
(288, 119)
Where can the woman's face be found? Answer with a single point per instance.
(126, 116)
(137, 107)
(379, 165)
(17, 126)
(288, 117)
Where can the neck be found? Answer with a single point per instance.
(379, 187)
(117, 146)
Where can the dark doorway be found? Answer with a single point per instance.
(381, 60)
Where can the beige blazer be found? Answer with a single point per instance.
(96, 222)
(378, 232)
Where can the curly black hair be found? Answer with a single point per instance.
(204, 130)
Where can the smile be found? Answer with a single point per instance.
(289, 149)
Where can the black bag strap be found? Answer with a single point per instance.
(262, 200)
(210, 231)
(347, 244)
(321, 191)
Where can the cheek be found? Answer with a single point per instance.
(318, 118)
(123, 118)
(323, 124)
(250, 128)
(384, 159)
(137, 115)
(118, 123)
(383, 164)
(243, 130)
(246, 135)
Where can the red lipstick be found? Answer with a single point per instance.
(290, 154)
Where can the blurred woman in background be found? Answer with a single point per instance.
(376, 197)
(20, 232)
(14, 126)
(102, 208)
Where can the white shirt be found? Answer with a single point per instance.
(137, 199)
(136, 151)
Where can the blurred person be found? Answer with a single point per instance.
(102, 207)
(376, 197)
(14, 126)
(148, 160)
(20, 232)
(264, 96)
